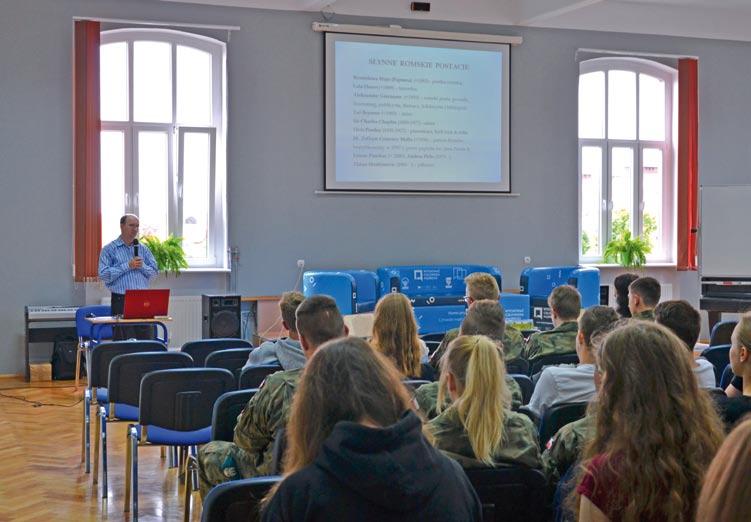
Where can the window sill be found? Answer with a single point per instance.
(656, 264)
(203, 270)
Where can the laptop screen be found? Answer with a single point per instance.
(146, 304)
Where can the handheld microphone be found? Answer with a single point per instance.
(135, 248)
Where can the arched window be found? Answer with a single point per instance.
(163, 137)
(626, 155)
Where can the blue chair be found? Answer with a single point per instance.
(719, 356)
(721, 333)
(557, 416)
(518, 365)
(727, 377)
(226, 410)
(526, 385)
(510, 493)
(253, 376)
(199, 350)
(537, 365)
(175, 408)
(84, 331)
(237, 500)
(122, 393)
(231, 359)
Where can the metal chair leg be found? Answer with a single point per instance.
(193, 467)
(97, 430)
(87, 430)
(163, 452)
(83, 428)
(188, 492)
(128, 470)
(104, 454)
(79, 350)
(134, 456)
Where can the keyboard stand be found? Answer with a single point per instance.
(38, 332)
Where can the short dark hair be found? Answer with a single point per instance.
(682, 318)
(125, 217)
(288, 305)
(566, 302)
(484, 317)
(319, 320)
(648, 288)
(621, 284)
(596, 318)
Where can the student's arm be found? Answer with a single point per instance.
(588, 512)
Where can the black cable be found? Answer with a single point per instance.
(39, 404)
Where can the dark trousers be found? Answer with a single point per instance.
(123, 332)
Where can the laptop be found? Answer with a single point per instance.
(145, 304)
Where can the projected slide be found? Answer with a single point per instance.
(412, 114)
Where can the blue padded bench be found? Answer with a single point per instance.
(355, 291)
(538, 282)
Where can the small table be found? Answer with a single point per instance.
(106, 320)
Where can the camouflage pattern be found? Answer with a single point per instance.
(519, 444)
(426, 397)
(251, 453)
(513, 345)
(559, 340)
(564, 449)
(645, 315)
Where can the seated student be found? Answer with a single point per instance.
(480, 286)
(484, 317)
(685, 322)
(655, 431)
(643, 296)
(286, 351)
(573, 384)
(356, 450)
(621, 284)
(250, 455)
(727, 483)
(479, 428)
(395, 335)
(565, 304)
(733, 408)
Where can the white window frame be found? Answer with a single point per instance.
(669, 76)
(217, 198)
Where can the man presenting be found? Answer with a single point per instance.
(125, 264)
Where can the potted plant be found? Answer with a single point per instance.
(627, 251)
(169, 254)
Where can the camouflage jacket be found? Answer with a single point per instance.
(265, 413)
(645, 315)
(519, 444)
(513, 345)
(559, 340)
(564, 449)
(427, 397)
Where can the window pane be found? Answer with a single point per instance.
(651, 108)
(153, 187)
(622, 191)
(196, 193)
(652, 180)
(113, 81)
(621, 105)
(152, 82)
(193, 86)
(591, 201)
(592, 105)
(112, 147)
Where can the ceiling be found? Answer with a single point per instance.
(720, 19)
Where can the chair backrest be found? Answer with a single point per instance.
(433, 338)
(415, 383)
(84, 327)
(526, 385)
(727, 377)
(126, 372)
(182, 399)
(557, 416)
(510, 494)
(231, 359)
(517, 366)
(278, 450)
(199, 350)
(226, 409)
(253, 376)
(719, 356)
(552, 360)
(427, 373)
(103, 353)
(237, 500)
(721, 333)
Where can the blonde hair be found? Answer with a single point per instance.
(288, 306)
(476, 362)
(395, 333)
(481, 285)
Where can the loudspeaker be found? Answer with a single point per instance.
(221, 316)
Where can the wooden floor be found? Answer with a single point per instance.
(42, 476)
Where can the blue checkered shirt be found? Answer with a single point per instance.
(114, 270)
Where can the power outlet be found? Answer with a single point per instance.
(527, 260)
(300, 263)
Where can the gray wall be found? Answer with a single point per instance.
(276, 154)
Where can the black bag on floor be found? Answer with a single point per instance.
(64, 359)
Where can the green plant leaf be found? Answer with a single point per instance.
(169, 254)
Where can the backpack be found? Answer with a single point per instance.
(64, 358)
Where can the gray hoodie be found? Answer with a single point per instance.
(285, 351)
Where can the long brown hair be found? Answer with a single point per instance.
(656, 428)
(395, 333)
(728, 481)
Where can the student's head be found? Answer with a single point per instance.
(651, 414)
(621, 284)
(728, 481)
(129, 227)
(288, 306)
(484, 317)
(565, 304)
(594, 319)
(682, 319)
(740, 347)
(473, 374)
(318, 320)
(346, 380)
(395, 333)
(643, 294)
(481, 285)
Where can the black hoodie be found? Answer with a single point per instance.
(377, 474)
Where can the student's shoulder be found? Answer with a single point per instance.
(281, 379)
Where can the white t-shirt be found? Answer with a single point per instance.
(563, 384)
(705, 373)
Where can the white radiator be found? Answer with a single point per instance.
(666, 291)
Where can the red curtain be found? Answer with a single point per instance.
(688, 162)
(87, 124)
